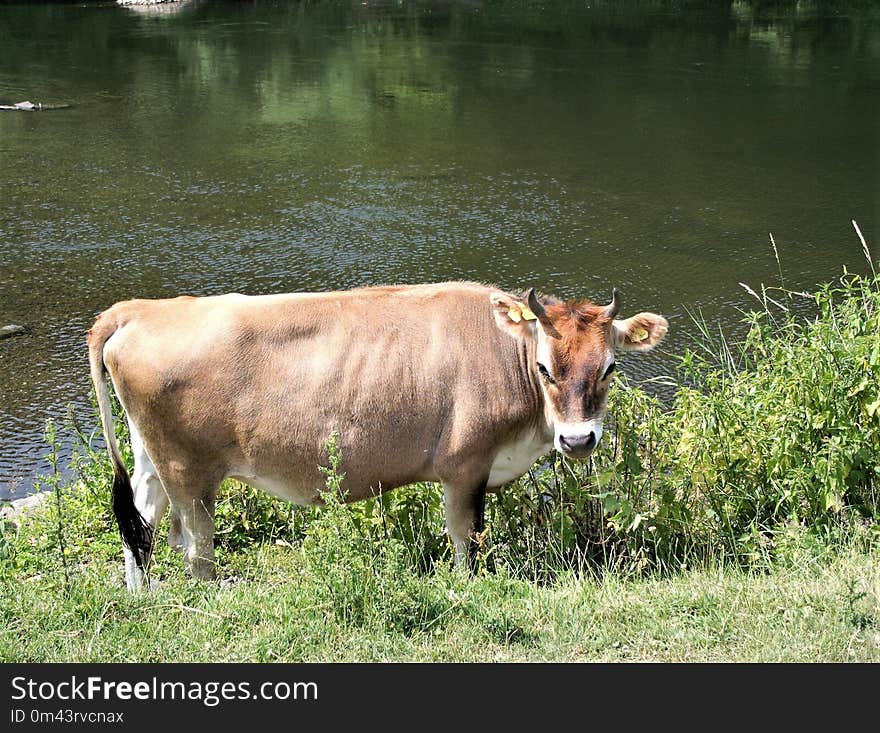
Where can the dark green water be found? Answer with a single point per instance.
(263, 147)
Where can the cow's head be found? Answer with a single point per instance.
(574, 348)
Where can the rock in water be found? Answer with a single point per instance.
(11, 330)
(23, 106)
(12, 513)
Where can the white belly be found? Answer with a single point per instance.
(515, 458)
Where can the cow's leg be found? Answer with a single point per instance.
(175, 532)
(192, 487)
(196, 514)
(465, 506)
(150, 500)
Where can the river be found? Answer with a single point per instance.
(280, 146)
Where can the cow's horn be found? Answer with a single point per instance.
(613, 308)
(535, 305)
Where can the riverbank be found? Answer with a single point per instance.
(13, 513)
(338, 593)
(738, 522)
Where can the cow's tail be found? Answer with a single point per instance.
(137, 534)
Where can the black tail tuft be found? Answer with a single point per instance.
(136, 533)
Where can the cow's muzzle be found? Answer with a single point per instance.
(577, 446)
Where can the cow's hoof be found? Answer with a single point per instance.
(202, 570)
(231, 580)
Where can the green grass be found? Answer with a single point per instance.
(739, 521)
(281, 610)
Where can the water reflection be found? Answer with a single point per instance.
(159, 8)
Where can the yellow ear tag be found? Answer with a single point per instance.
(640, 335)
(527, 313)
(513, 314)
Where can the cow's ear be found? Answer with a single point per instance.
(642, 332)
(513, 316)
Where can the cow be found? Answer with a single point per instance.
(459, 383)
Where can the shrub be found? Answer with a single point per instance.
(363, 568)
(780, 430)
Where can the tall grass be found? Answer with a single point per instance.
(768, 444)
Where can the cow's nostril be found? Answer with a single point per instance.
(591, 441)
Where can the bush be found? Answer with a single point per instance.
(779, 431)
(365, 570)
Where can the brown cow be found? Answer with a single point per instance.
(459, 383)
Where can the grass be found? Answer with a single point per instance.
(280, 611)
(737, 522)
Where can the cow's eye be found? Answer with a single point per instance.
(542, 370)
(610, 370)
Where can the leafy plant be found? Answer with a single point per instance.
(363, 569)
